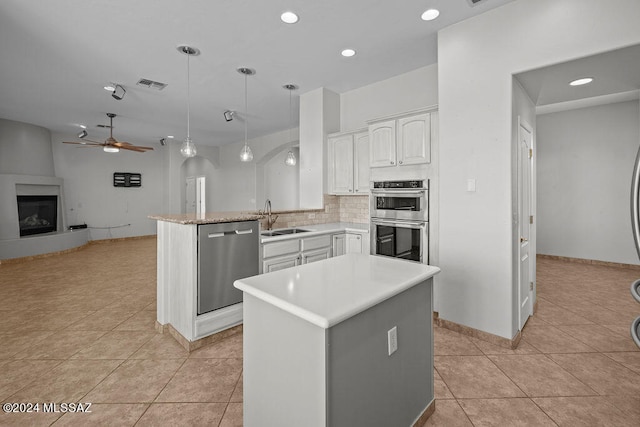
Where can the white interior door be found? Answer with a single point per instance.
(525, 285)
(190, 195)
(201, 203)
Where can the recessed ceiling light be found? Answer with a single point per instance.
(348, 52)
(430, 14)
(582, 81)
(170, 136)
(289, 17)
(82, 126)
(110, 88)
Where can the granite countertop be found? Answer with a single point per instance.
(329, 291)
(207, 218)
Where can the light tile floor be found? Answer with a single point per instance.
(79, 327)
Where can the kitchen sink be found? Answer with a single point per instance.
(283, 232)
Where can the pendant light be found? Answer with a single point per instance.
(245, 154)
(188, 148)
(290, 160)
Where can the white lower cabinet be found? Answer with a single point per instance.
(347, 243)
(292, 252)
(316, 255)
(280, 263)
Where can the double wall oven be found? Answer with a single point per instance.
(400, 219)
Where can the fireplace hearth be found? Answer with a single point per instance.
(37, 214)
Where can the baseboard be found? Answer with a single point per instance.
(21, 260)
(24, 259)
(589, 261)
(511, 344)
(120, 239)
(428, 411)
(194, 345)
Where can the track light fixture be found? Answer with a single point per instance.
(228, 115)
(118, 93)
(82, 134)
(163, 141)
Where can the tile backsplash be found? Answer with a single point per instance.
(336, 209)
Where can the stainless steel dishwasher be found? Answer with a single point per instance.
(226, 252)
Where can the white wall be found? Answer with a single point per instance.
(405, 92)
(25, 149)
(91, 198)
(585, 161)
(236, 189)
(476, 60)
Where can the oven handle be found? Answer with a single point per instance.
(396, 223)
(403, 193)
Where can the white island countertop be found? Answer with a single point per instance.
(327, 292)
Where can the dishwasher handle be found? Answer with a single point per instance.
(227, 233)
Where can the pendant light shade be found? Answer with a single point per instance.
(290, 160)
(188, 148)
(246, 155)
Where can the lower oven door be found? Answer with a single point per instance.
(400, 239)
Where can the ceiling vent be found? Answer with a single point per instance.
(151, 84)
(475, 2)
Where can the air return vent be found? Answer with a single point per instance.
(151, 84)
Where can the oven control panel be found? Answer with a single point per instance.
(398, 184)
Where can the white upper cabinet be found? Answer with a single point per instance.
(414, 139)
(382, 137)
(402, 141)
(361, 162)
(349, 163)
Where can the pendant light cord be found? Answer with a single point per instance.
(246, 114)
(188, 95)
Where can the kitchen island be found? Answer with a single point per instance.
(180, 308)
(345, 341)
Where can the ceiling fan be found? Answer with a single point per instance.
(111, 145)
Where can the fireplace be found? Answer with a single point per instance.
(37, 214)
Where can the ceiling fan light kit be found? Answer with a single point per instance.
(188, 148)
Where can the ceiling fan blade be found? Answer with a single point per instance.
(90, 144)
(127, 145)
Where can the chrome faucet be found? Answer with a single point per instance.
(267, 211)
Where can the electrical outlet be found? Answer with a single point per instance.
(392, 340)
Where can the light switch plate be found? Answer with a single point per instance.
(471, 185)
(392, 340)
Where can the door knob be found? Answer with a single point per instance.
(522, 240)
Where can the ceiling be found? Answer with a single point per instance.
(58, 55)
(616, 78)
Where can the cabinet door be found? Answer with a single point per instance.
(338, 244)
(280, 263)
(361, 163)
(317, 255)
(414, 139)
(341, 165)
(353, 243)
(382, 144)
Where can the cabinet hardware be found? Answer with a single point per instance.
(400, 162)
(393, 163)
(248, 231)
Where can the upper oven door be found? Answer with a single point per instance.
(400, 204)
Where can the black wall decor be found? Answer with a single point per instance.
(127, 179)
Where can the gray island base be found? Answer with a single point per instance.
(318, 338)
